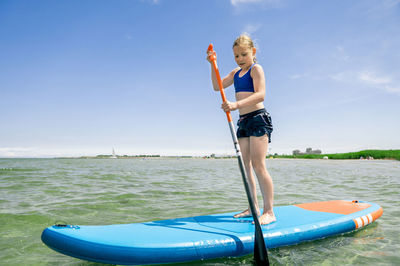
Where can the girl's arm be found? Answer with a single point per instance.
(226, 81)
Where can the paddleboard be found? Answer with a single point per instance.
(209, 236)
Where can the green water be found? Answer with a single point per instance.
(36, 193)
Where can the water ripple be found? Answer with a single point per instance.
(35, 193)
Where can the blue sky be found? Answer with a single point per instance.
(83, 77)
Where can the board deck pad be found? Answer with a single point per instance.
(208, 236)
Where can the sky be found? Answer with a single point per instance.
(82, 77)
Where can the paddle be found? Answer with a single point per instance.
(260, 250)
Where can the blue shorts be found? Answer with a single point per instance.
(257, 124)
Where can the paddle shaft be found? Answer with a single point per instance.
(260, 250)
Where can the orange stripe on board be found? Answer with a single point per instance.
(365, 220)
(360, 221)
(335, 206)
(369, 216)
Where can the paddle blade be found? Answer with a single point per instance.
(260, 250)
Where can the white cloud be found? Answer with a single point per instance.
(348, 76)
(373, 79)
(392, 89)
(238, 2)
(383, 8)
(272, 3)
(128, 36)
(340, 54)
(368, 78)
(391, 3)
(251, 28)
(385, 83)
(298, 76)
(153, 2)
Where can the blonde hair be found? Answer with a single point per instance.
(244, 40)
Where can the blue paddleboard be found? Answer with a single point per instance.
(207, 237)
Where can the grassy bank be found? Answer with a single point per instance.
(376, 154)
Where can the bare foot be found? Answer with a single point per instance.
(267, 218)
(243, 214)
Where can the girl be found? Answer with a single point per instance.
(254, 125)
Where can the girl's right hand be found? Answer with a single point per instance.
(209, 53)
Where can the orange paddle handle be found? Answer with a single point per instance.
(213, 59)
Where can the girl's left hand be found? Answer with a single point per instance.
(229, 106)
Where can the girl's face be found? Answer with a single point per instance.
(244, 56)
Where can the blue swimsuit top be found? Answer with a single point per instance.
(244, 83)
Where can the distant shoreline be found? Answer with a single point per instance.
(364, 154)
(360, 155)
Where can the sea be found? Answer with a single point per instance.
(37, 193)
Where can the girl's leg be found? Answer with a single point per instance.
(245, 149)
(258, 153)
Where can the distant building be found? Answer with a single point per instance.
(315, 152)
(296, 152)
(308, 151)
